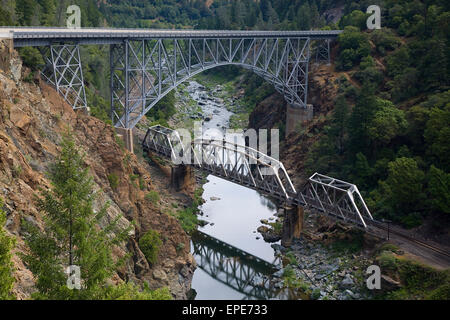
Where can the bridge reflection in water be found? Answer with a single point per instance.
(235, 268)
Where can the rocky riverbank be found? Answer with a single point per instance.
(328, 262)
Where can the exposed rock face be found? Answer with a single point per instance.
(32, 118)
(9, 59)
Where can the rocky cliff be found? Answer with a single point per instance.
(32, 118)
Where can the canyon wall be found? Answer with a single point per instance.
(32, 119)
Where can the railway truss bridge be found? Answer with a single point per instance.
(251, 168)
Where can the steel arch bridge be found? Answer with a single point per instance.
(251, 168)
(147, 64)
(234, 267)
(152, 68)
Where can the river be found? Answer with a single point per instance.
(233, 214)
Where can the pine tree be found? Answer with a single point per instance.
(304, 17)
(339, 123)
(71, 235)
(25, 9)
(6, 245)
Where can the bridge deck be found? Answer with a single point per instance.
(41, 36)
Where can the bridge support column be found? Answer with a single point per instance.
(323, 51)
(63, 70)
(127, 136)
(296, 116)
(292, 224)
(182, 177)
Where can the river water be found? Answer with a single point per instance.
(233, 214)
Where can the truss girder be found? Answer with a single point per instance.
(251, 168)
(335, 197)
(63, 70)
(241, 164)
(322, 51)
(144, 71)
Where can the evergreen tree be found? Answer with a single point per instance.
(6, 245)
(304, 17)
(71, 235)
(339, 123)
(25, 9)
(360, 120)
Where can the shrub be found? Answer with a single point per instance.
(412, 220)
(188, 219)
(180, 246)
(387, 260)
(113, 180)
(17, 171)
(120, 142)
(152, 196)
(389, 247)
(31, 57)
(141, 183)
(6, 266)
(150, 244)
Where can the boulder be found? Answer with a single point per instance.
(159, 274)
(347, 282)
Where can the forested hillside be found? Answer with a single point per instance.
(389, 131)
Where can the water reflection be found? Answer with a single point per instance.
(233, 267)
(236, 266)
(232, 223)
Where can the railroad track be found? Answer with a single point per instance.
(373, 225)
(381, 226)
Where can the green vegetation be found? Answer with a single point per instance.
(150, 244)
(153, 196)
(71, 235)
(31, 57)
(180, 247)
(417, 281)
(163, 110)
(134, 177)
(388, 132)
(17, 171)
(292, 282)
(113, 180)
(6, 266)
(351, 242)
(188, 216)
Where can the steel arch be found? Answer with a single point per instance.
(144, 71)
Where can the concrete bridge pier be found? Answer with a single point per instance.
(296, 116)
(182, 177)
(127, 136)
(292, 224)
